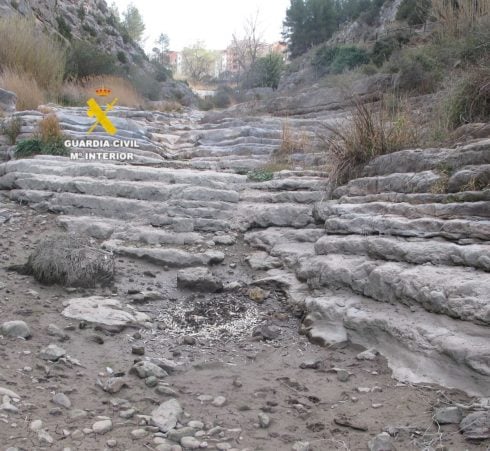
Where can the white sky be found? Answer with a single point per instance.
(212, 21)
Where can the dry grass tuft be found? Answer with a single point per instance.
(457, 18)
(49, 128)
(78, 92)
(29, 95)
(70, 261)
(26, 50)
(373, 130)
(291, 142)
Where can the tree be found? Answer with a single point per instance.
(247, 47)
(160, 52)
(266, 71)
(197, 62)
(133, 23)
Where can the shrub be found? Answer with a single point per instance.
(29, 95)
(415, 12)
(417, 72)
(222, 98)
(49, 128)
(260, 175)
(25, 50)
(144, 84)
(36, 146)
(11, 129)
(206, 103)
(469, 100)
(63, 27)
(337, 59)
(90, 30)
(121, 56)
(373, 131)
(77, 92)
(85, 59)
(383, 48)
(81, 12)
(266, 72)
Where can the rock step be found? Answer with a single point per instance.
(103, 229)
(151, 191)
(293, 183)
(415, 251)
(238, 149)
(300, 197)
(418, 160)
(173, 258)
(460, 293)
(119, 208)
(66, 167)
(457, 210)
(452, 229)
(419, 346)
(272, 236)
(418, 198)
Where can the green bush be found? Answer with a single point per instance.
(338, 59)
(384, 48)
(260, 175)
(206, 103)
(36, 146)
(469, 100)
(121, 56)
(81, 13)
(222, 98)
(63, 27)
(90, 30)
(415, 12)
(144, 83)
(85, 59)
(266, 72)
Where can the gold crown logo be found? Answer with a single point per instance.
(103, 92)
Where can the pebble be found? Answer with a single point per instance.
(102, 427)
(127, 414)
(151, 381)
(223, 446)
(139, 433)
(382, 442)
(167, 391)
(61, 400)
(369, 354)
(112, 443)
(177, 435)
(138, 350)
(219, 401)
(448, 415)
(301, 446)
(15, 329)
(190, 443)
(310, 364)
(44, 437)
(52, 352)
(196, 424)
(36, 425)
(146, 369)
(205, 398)
(264, 420)
(188, 340)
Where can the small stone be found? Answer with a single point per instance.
(146, 369)
(61, 400)
(363, 389)
(52, 353)
(205, 398)
(196, 424)
(77, 434)
(102, 427)
(36, 425)
(448, 415)
(176, 435)
(382, 442)
(166, 391)
(310, 364)
(237, 383)
(223, 446)
(190, 443)
(342, 375)
(266, 332)
(166, 416)
(151, 381)
(139, 433)
(257, 294)
(476, 426)
(113, 384)
(127, 414)
(188, 340)
(138, 350)
(199, 279)
(15, 329)
(264, 420)
(219, 401)
(369, 354)
(301, 446)
(44, 437)
(112, 443)
(76, 415)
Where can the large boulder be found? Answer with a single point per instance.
(8, 100)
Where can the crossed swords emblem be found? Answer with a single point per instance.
(94, 110)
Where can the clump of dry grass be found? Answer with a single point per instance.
(77, 92)
(29, 95)
(292, 142)
(69, 260)
(458, 17)
(26, 50)
(372, 131)
(167, 106)
(49, 128)
(11, 128)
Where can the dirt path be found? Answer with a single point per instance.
(275, 392)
